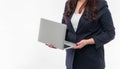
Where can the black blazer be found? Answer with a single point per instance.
(90, 56)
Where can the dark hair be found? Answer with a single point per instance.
(90, 9)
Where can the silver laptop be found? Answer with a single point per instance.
(51, 32)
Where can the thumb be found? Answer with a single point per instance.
(78, 43)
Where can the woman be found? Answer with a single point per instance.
(90, 26)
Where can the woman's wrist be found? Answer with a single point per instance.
(90, 41)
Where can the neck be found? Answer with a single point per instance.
(81, 0)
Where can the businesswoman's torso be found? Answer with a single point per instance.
(90, 56)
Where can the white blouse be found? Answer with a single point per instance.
(75, 20)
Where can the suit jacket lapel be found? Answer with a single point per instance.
(81, 20)
(79, 23)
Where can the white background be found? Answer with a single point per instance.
(19, 27)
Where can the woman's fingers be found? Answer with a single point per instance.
(50, 45)
(77, 47)
(80, 44)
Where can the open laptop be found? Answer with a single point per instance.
(51, 32)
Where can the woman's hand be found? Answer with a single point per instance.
(83, 43)
(51, 46)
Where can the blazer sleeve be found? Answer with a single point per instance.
(108, 29)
